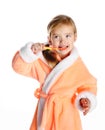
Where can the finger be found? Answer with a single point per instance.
(42, 46)
(85, 111)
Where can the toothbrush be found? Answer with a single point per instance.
(53, 48)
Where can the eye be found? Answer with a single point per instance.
(56, 37)
(68, 36)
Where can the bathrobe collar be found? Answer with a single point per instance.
(59, 68)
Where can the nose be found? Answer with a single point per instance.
(62, 41)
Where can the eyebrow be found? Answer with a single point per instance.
(64, 33)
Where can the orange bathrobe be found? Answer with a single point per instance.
(60, 89)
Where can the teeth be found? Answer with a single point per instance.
(62, 48)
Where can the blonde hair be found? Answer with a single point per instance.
(59, 20)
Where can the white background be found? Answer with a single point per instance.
(26, 20)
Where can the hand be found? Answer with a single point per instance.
(37, 47)
(85, 104)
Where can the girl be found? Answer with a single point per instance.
(66, 85)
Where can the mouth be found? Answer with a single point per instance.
(63, 48)
(57, 48)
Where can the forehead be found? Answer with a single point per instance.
(63, 29)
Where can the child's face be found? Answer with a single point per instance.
(63, 38)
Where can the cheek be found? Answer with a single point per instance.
(72, 40)
(71, 43)
(55, 44)
(50, 40)
(70, 47)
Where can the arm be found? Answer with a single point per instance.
(26, 62)
(86, 90)
(86, 98)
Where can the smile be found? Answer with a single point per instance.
(63, 48)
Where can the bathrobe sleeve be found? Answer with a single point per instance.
(86, 89)
(28, 64)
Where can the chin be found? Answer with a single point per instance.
(65, 54)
